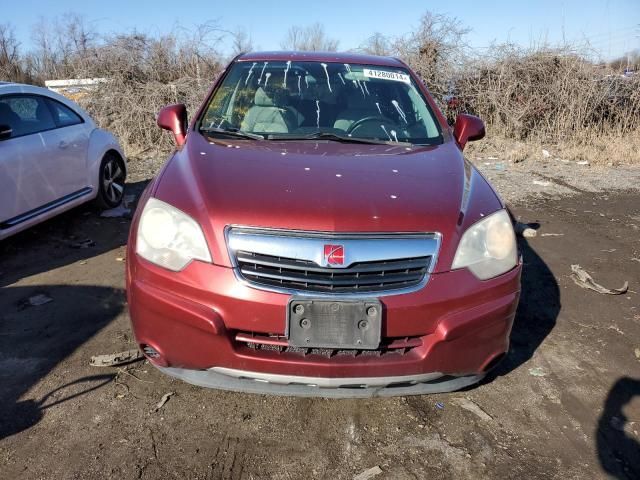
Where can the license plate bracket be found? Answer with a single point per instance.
(335, 324)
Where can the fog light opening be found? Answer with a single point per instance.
(153, 355)
(150, 352)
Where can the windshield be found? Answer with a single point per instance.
(291, 100)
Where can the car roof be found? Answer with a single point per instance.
(8, 88)
(328, 57)
(19, 87)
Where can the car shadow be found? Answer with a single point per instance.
(42, 324)
(537, 312)
(618, 452)
(35, 339)
(70, 237)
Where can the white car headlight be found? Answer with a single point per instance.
(170, 238)
(488, 248)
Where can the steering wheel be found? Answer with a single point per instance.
(370, 119)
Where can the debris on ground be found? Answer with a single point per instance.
(440, 405)
(86, 243)
(473, 407)
(552, 235)
(637, 352)
(119, 211)
(584, 280)
(545, 153)
(119, 259)
(583, 162)
(369, 473)
(524, 230)
(542, 183)
(537, 372)
(37, 300)
(114, 359)
(163, 400)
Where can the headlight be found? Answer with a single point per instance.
(170, 238)
(488, 248)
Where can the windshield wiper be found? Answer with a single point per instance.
(232, 133)
(336, 137)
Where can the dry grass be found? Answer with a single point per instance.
(606, 150)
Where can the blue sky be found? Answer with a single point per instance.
(611, 26)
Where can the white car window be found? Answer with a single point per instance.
(63, 115)
(26, 114)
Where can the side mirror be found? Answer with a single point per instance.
(5, 132)
(174, 118)
(467, 129)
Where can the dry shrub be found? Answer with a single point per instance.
(129, 109)
(554, 97)
(530, 99)
(143, 72)
(548, 93)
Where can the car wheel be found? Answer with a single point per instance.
(111, 182)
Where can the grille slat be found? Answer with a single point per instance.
(335, 281)
(279, 344)
(305, 275)
(284, 263)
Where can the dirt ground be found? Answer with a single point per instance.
(564, 404)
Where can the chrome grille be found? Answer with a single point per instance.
(307, 276)
(290, 261)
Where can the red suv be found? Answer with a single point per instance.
(317, 231)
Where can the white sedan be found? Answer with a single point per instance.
(52, 158)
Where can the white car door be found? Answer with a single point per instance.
(37, 167)
(72, 147)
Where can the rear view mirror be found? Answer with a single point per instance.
(174, 118)
(467, 129)
(5, 132)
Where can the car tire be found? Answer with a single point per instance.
(111, 180)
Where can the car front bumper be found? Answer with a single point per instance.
(456, 328)
(343, 387)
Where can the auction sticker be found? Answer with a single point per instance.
(385, 75)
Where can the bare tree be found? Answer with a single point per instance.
(44, 59)
(630, 60)
(79, 34)
(240, 42)
(436, 50)
(377, 44)
(310, 38)
(10, 68)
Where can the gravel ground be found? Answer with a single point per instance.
(527, 181)
(564, 404)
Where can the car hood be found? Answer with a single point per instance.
(325, 186)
